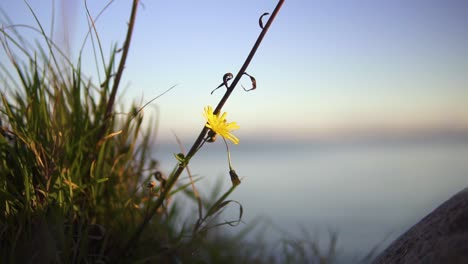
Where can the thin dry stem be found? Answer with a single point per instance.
(196, 145)
(118, 76)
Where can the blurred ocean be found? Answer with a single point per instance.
(368, 192)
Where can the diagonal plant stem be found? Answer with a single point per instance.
(118, 75)
(196, 145)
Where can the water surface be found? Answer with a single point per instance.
(367, 192)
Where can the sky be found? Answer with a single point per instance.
(326, 69)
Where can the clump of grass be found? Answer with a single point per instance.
(70, 172)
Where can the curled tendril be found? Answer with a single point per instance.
(254, 83)
(260, 21)
(228, 76)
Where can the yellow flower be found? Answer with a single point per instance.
(219, 125)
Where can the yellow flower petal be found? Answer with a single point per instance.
(220, 125)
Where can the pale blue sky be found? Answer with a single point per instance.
(325, 67)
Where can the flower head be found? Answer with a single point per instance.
(219, 125)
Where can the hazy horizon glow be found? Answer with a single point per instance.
(324, 67)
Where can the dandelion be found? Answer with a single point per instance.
(219, 125)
